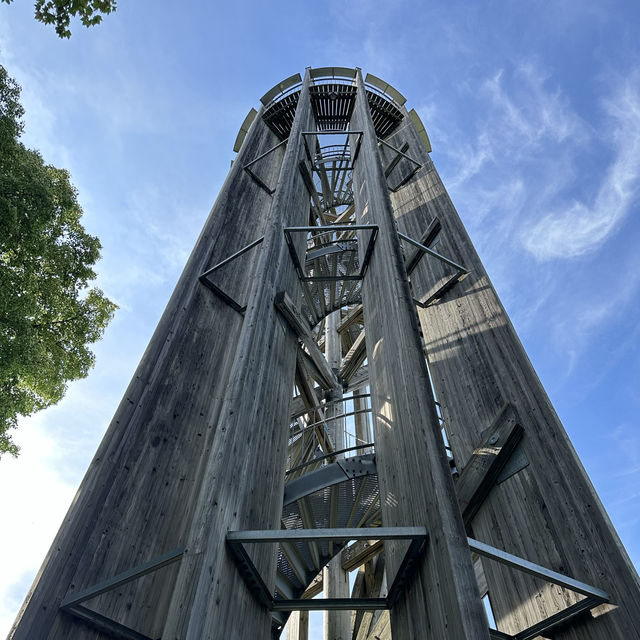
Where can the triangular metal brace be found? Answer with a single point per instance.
(594, 596)
(72, 604)
(237, 539)
(392, 165)
(256, 178)
(205, 280)
(460, 272)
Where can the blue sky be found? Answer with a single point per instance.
(533, 109)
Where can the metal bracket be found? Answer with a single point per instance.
(204, 278)
(400, 154)
(460, 274)
(72, 604)
(594, 596)
(330, 474)
(347, 144)
(288, 231)
(255, 177)
(237, 539)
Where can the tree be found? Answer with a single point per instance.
(59, 12)
(48, 315)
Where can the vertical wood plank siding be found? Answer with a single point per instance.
(415, 481)
(548, 512)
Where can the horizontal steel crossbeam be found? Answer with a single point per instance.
(297, 262)
(237, 539)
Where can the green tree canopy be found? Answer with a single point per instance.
(48, 315)
(59, 12)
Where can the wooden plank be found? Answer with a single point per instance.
(286, 307)
(337, 624)
(313, 403)
(426, 239)
(354, 358)
(298, 626)
(314, 588)
(381, 629)
(395, 159)
(360, 552)
(414, 476)
(354, 316)
(137, 498)
(547, 512)
(359, 379)
(374, 573)
(243, 482)
(487, 461)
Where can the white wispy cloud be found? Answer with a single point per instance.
(579, 227)
(532, 112)
(472, 159)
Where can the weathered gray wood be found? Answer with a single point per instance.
(354, 316)
(548, 512)
(373, 586)
(426, 239)
(286, 307)
(354, 358)
(136, 499)
(314, 588)
(381, 629)
(244, 483)
(414, 476)
(337, 624)
(487, 461)
(360, 378)
(298, 625)
(360, 552)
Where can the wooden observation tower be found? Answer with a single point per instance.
(334, 384)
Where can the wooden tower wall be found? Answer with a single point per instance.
(412, 468)
(137, 500)
(198, 445)
(547, 511)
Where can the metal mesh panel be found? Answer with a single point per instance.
(353, 501)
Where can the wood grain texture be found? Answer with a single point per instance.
(136, 500)
(487, 461)
(243, 480)
(298, 626)
(548, 512)
(415, 481)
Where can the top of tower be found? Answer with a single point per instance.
(333, 92)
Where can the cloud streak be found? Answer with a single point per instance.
(580, 228)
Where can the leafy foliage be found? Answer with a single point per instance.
(59, 12)
(47, 315)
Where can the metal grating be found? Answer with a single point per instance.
(354, 503)
(385, 115)
(279, 114)
(333, 105)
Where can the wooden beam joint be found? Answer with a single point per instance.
(285, 306)
(487, 461)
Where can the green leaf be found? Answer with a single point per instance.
(48, 314)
